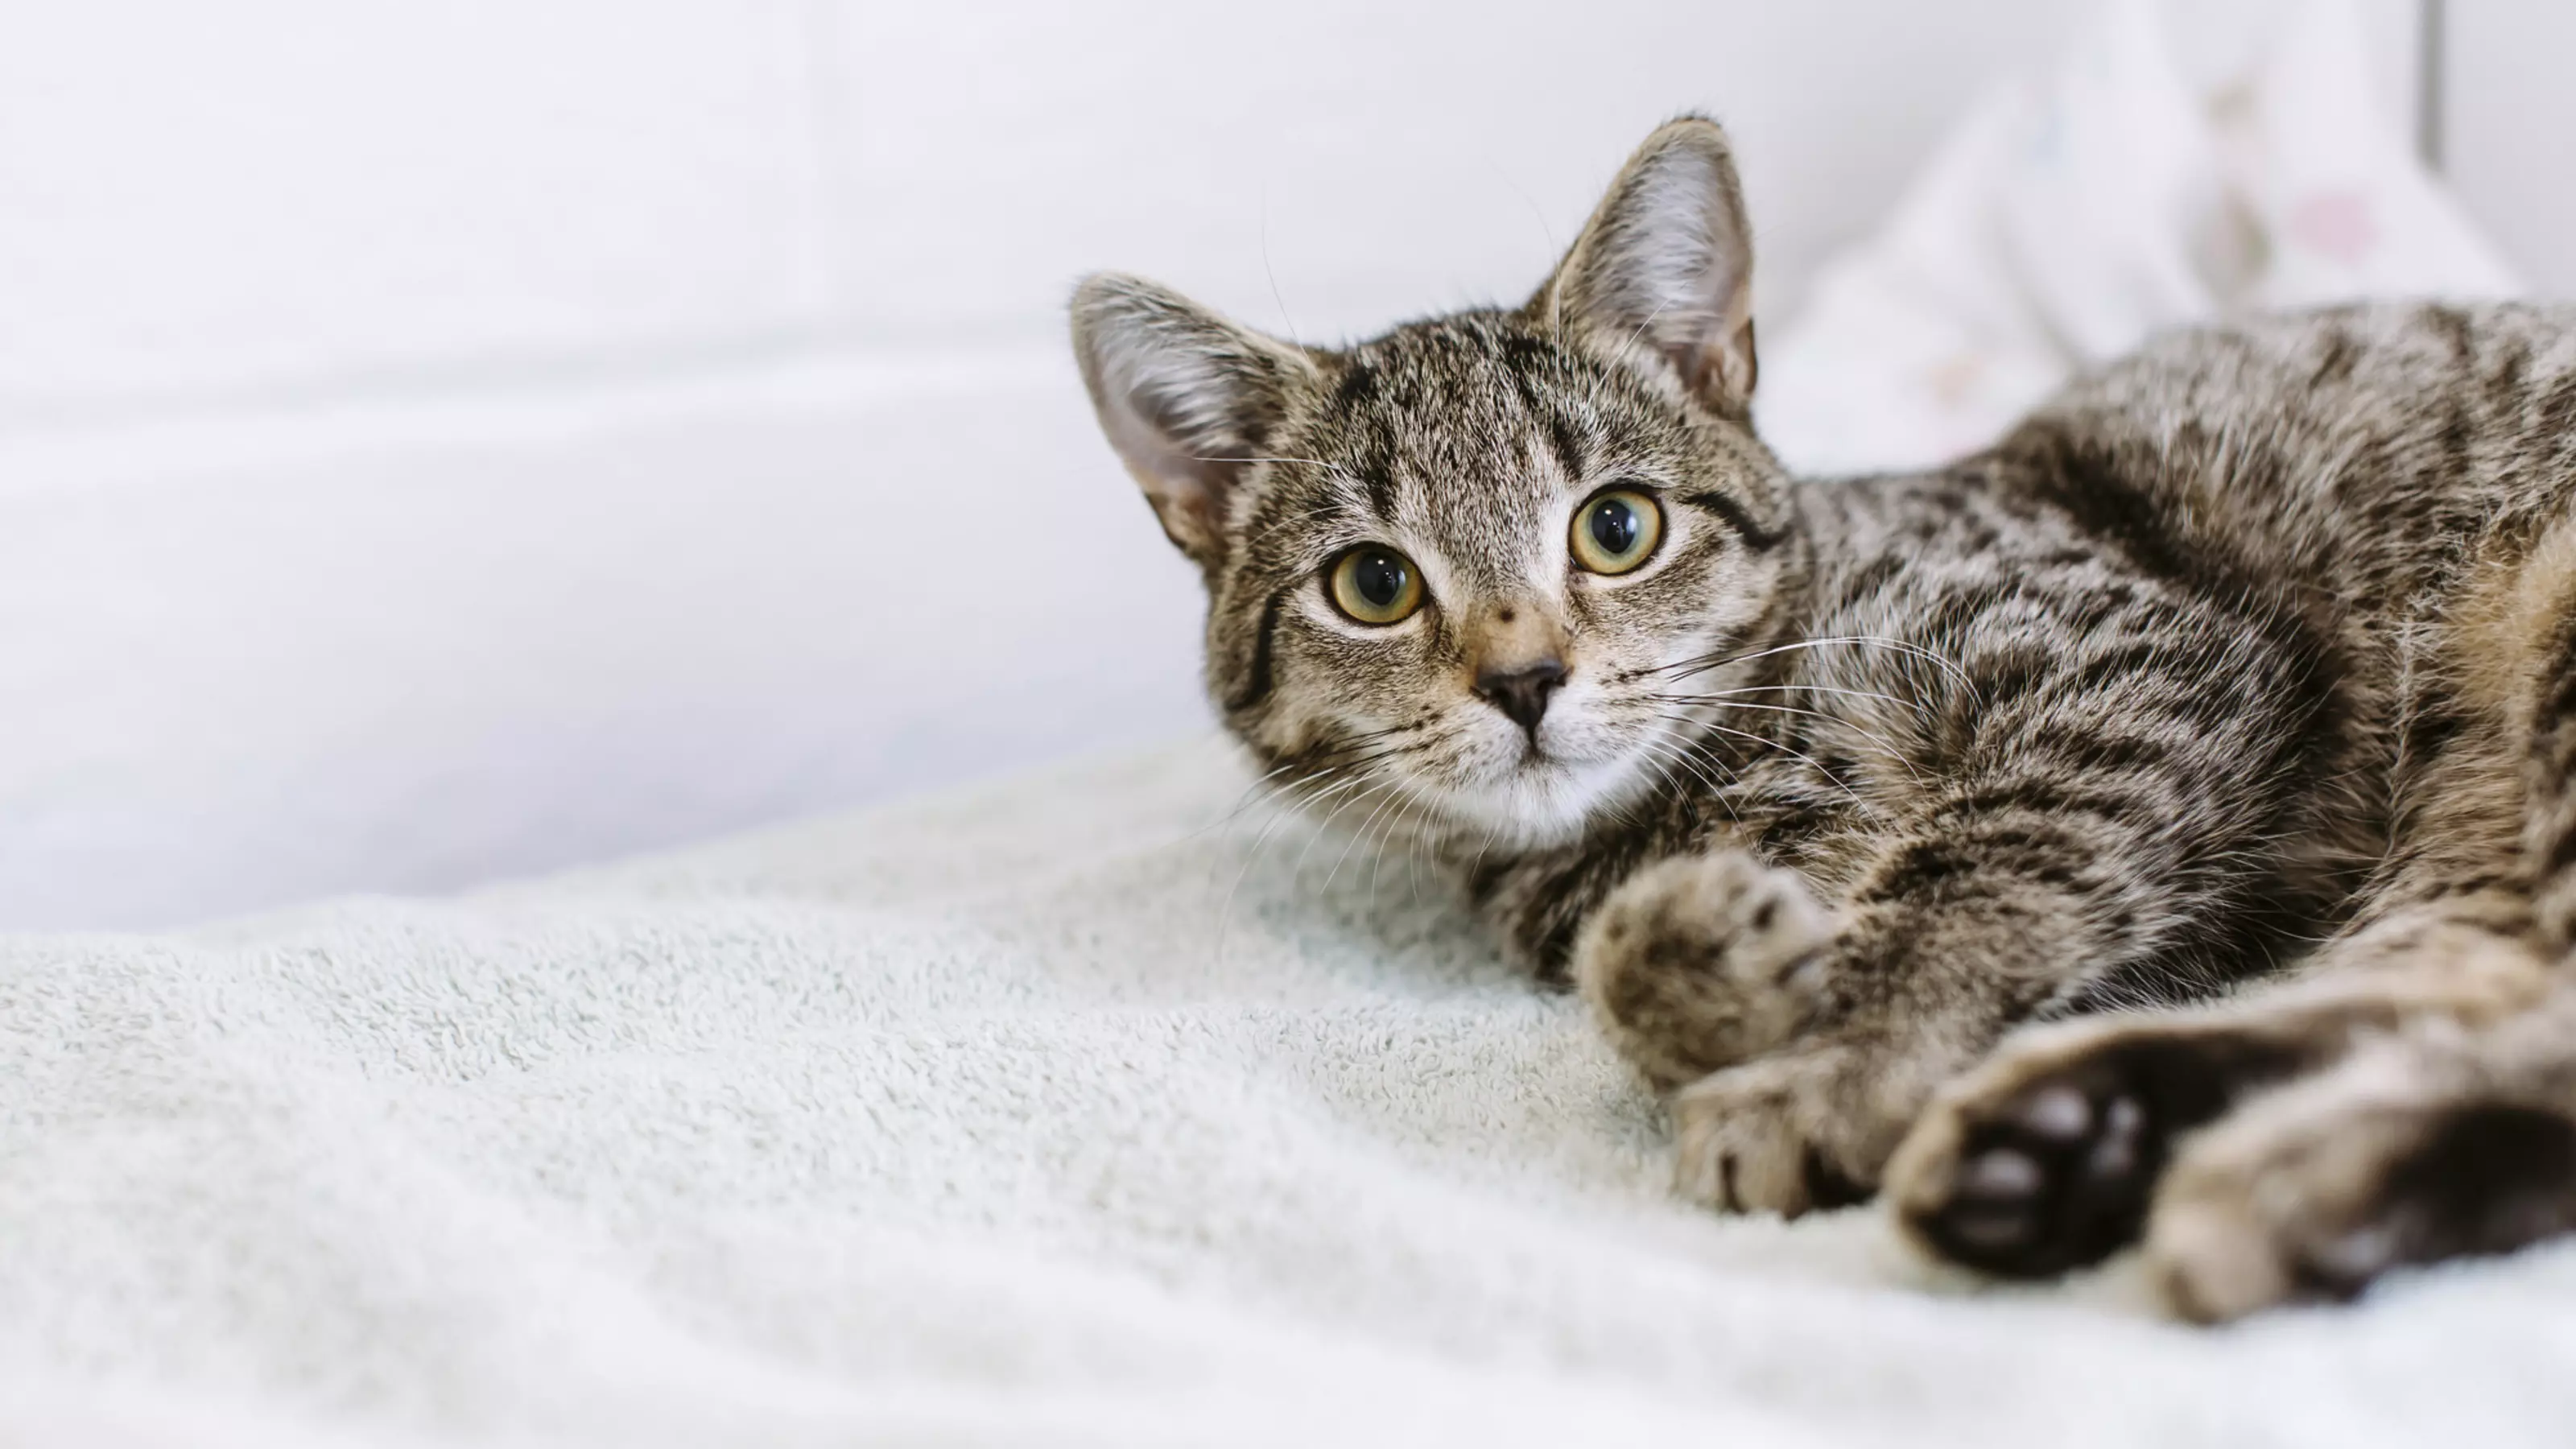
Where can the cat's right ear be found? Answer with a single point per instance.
(1187, 398)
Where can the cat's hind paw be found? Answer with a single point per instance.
(2314, 1194)
(2045, 1157)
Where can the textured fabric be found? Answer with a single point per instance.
(1067, 1111)
(2072, 214)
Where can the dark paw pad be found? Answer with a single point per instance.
(2058, 1179)
(2058, 1174)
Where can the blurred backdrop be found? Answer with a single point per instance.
(446, 441)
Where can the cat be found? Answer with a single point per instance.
(2157, 829)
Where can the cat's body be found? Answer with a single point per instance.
(2238, 685)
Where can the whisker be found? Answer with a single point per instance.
(1690, 758)
(1720, 659)
(1659, 750)
(1298, 871)
(1811, 761)
(1482, 845)
(1253, 794)
(1225, 914)
(1397, 820)
(1682, 755)
(1394, 797)
(1877, 740)
(1712, 696)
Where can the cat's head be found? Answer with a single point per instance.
(1475, 575)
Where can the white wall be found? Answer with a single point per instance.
(2507, 113)
(444, 441)
(270, 199)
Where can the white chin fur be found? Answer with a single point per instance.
(1537, 803)
(1493, 793)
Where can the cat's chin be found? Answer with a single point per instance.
(1539, 802)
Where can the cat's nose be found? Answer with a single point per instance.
(1521, 692)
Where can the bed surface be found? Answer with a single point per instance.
(1069, 1110)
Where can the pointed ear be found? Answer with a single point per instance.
(1186, 397)
(1664, 270)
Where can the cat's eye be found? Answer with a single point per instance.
(1375, 585)
(1617, 529)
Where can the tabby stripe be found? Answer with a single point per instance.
(1760, 539)
(2051, 797)
(1257, 687)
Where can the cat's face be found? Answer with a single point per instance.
(1474, 579)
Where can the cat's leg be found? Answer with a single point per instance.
(1798, 1040)
(2432, 1143)
(1697, 965)
(2090, 805)
(2050, 1154)
(2441, 1141)
(2047, 1156)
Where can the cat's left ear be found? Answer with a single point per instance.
(1663, 272)
(1186, 397)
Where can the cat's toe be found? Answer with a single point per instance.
(1700, 962)
(1788, 1134)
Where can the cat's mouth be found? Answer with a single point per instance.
(1531, 755)
(1531, 791)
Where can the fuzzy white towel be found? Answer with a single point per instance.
(1061, 1112)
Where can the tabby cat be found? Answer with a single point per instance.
(2159, 828)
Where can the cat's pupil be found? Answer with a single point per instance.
(1614, 526)
(1379, 578)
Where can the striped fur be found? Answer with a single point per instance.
(2234, 690)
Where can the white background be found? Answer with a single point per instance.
(444, 441)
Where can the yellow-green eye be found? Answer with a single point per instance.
(1617, 529)
(1375, 585)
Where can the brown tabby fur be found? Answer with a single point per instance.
(2177, 798)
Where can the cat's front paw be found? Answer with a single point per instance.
(1785, 1134)
(1703, 961)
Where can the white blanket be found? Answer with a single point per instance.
(1061, 1112)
